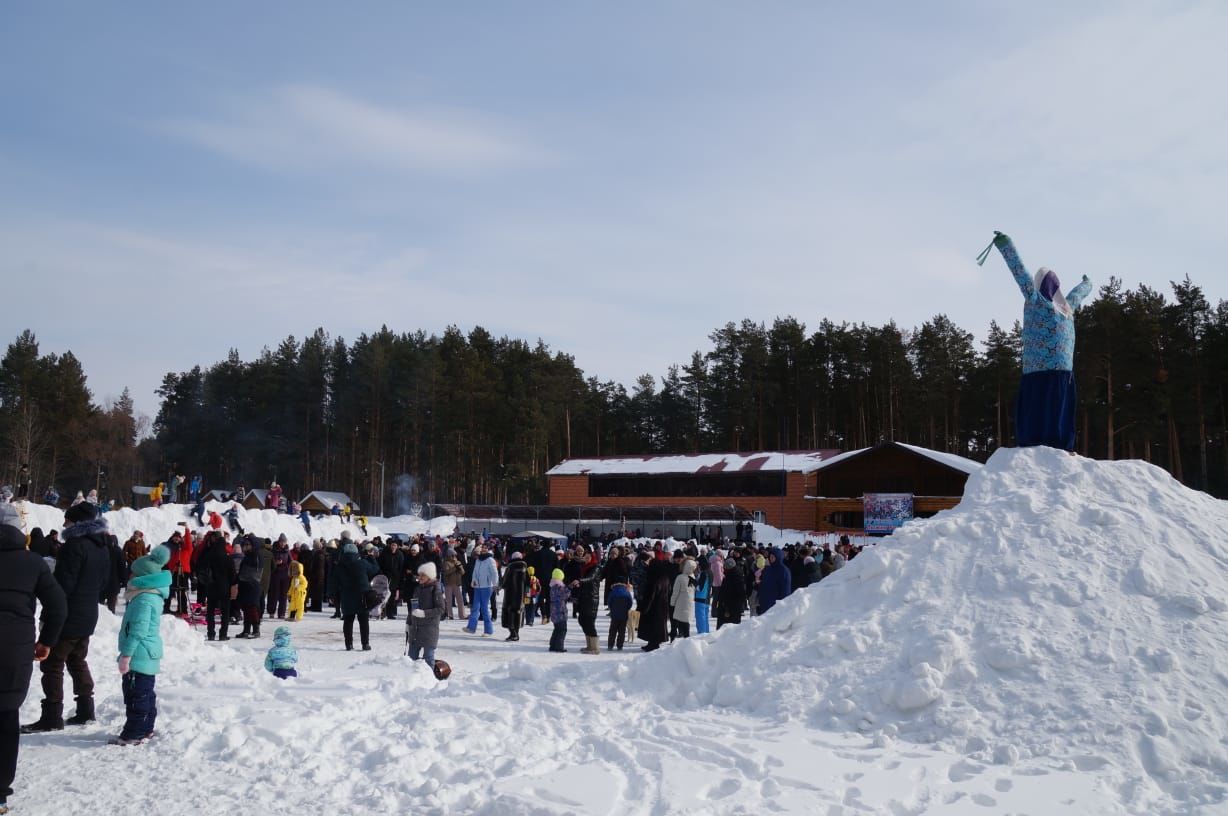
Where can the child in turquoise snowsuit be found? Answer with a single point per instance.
(1046, 405)
(140, 644)
(283, 657)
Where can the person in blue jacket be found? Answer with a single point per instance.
(703, 597)
(775, 584)
(140, 644)
(283, 657)
(1046, 405)
(485, 579)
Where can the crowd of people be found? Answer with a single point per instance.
(217, 574)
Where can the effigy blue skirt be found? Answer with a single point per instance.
(1045, 410)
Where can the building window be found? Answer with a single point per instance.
(677, 485)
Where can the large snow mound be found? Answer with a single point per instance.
(1067, 609)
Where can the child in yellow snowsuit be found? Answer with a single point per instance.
(297, 593)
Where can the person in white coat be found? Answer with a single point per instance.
(682, 599)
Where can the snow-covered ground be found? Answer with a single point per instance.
(1053, 645)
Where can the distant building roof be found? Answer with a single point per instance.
(694, 464)
(328, 499)
(951, 460)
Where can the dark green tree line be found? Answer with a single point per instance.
(479, 419)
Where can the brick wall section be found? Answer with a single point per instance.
(798, 514)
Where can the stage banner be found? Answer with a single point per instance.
(885, 512)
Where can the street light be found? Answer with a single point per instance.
(784, 489)
(381, 489)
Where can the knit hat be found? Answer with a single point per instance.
(10, 527)
(350, 547)
(82, 511)
(517, 555)
(532, 571)
(557, 575)
(154, 562)
(427, 569)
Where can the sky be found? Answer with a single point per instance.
(616, 179)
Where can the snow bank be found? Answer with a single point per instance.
(158, 523)
(1067, 609)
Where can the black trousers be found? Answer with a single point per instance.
(364, 628)
(682, 629)
(219, 601)
(588, 625)
(70, 653)
(618, 633)
(10, 736)
(390, 608)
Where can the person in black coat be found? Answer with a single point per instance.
(24, 576)
(515, 579)
(117, 576)
(354, 574)
(81, 571)
(392, 565)
(317, 576)
(731, 596)
(249, 587)
(219, 566)
(654, 608)
(544, 562)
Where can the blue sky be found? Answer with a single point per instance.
(616, 179)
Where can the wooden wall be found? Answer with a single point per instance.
(795, 512)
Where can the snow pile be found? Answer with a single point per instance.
(415, 525)
(1068, 609)
(158, 523)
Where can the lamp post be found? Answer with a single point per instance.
(784, 489)
(381, 488)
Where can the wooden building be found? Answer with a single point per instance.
(322, 501)
(935, 479)
(771, 486)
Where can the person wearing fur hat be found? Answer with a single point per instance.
(559, 596)
(140, 644)
(1046, 405)
(281, 657)
(515, 579)
(81, 569)
(24, 577)
(297, 592)
(426, 608)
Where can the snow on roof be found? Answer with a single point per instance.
(694, 464)
(257, 493)
(324, 497)
(951, 460)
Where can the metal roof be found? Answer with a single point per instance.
(806, 461)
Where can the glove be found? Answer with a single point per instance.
(125, 664)
(418, 613)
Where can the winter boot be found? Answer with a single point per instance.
(52, 719)
(85, 712)
(590, 646)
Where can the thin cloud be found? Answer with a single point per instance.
(309, 127)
